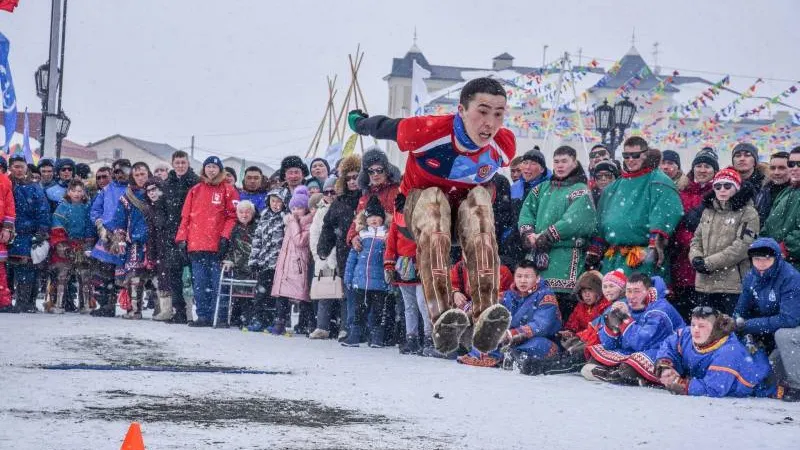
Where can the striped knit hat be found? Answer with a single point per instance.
(616, 277)
(729, 175)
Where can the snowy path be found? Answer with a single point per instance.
(383, 400)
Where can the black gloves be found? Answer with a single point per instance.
(699, 265)
(400, 203)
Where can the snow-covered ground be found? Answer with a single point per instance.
(330, 397)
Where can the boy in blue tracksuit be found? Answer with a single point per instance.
(631, 334)
(535, 319)
(770, 298)
(364, 272)
(707, 359)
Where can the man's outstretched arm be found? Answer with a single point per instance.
(379, 127)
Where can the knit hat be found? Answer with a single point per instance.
(616, 277)
(372, 156)
(730, 175)
(708, 156)
(745, 147)
(314, 200)
(45, 162)
(292, 162)
(536, 156)
(671, 155)
(330, 184)
(606, 166)
(374, 208)
(324, 161)
(231, 171)
(299, 198)
(313, 182)
(213, 160)
(64, 162)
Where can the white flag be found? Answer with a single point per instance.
(419, 93)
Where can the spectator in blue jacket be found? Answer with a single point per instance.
(32, 227)
(252, 188)
(535, 319)
(707, 359)
(364, 272)
(631, 334)
(770, 298)
(65, 172)
(102, 212)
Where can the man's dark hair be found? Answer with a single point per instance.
(596, 146)
(638, 277)
(179, 154)
(636, 141)
(140, 164)
(75, 183)
(254, 169)
(795, 150)
(783, 155)
(566, 150)
(527, 264)
(103, 169)
(480, 86)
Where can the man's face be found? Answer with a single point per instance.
(252, 181)
(763, 263)
(352, 181)
(636, 293)
(701, 330)
(779, 170)
(670, 168)
(180, 165)
(483, 117)
(563, 165)
(318, 170)
(294, 176)
(525, 279)
(603, 178)
(122, 173)
(102, 178)
(516, 172)
(140, 176)
(703, 173)
(161, 173)
(211, 171)
(18, 170)
(377, 175)
(633, 157)
(794, 170)
(46, 173)
(597, 155)
(530, 169)
(65, 173)
(743, 162)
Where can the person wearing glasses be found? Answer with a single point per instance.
(718, 252)
(704, 166)
(706, 359)
(333, 236)
(378, 178)
(603, 174)
(783, 222)
(102, 178)
(637, 214)
(65, 172)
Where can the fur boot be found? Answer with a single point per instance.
(448, 329)
(164, 307)
(489, 329)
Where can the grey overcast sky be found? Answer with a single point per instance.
(247, 77)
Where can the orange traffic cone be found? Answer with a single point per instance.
(133, 440)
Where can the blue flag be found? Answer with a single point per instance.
(7, 86)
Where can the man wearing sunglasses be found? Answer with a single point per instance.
(638, 213)
(451, 159)
(64, 173)
(783, 222)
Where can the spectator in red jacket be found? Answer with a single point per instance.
(207, 219)
(459, 280)
(377, 178)
(591, 303)
(7, 215)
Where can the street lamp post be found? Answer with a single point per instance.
(41, 77)
(612, 121)
(62, 128)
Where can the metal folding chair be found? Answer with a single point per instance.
(228, 288)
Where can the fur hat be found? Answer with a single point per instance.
(671, 155)
(372, 156)
(745, 147)
(592, 280)
(299, 198)
(616, 277)
(374, 208)
(83, 170)
(292, 162)
(64, 162)
(349, 164)
(708, 156)
(730, 175)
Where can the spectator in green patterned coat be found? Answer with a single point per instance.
(783, 222)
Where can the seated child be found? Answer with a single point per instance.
(535, 319)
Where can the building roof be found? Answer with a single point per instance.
(34, 122)
(160, 150)
(237, 163)
(74, 150)
(630, 65)
(504, 56)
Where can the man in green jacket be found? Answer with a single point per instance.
(783, 222)
(556, 221)
(637, 214)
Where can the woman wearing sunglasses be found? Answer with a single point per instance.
(718, 251)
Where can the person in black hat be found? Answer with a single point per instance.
(320, 170)
(533, 171)
(230, 176)
(671, 165)
(83, 171)
(604, 173)
(745, 161)
(292, 172)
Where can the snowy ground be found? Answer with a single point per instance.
(330, 397)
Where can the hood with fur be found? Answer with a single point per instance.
(351, 163)
(374, 155)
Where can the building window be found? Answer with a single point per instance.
(117, 153)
